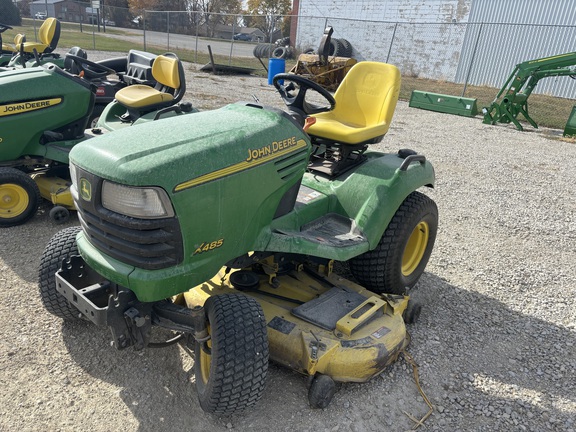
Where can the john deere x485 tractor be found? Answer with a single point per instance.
(224, 227)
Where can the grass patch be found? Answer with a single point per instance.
(70, 35)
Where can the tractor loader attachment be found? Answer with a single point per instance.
(512, 99)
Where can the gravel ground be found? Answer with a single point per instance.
(495, 341)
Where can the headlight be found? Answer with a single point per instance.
(73, 174)
(74, 178)
(140, 202)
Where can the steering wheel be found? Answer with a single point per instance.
(297, 102)
(4, 27)
(91, 69)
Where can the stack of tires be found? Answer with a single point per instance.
(283, 52)
(263, 50)
(338, 48)
(280, 49)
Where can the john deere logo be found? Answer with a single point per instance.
(85, 189)
(19, 107)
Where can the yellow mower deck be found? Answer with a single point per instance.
(342, 330)
(55, 190)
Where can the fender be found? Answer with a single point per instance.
(368, 197)
(386, 185)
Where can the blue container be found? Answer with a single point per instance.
(275, 66)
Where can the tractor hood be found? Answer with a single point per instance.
(174, 152)
(227, 174)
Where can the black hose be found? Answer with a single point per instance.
(167, 343)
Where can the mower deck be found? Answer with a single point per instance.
(319, 324)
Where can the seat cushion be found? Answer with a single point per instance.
(138, 96)
(328, 127)
(29, 47)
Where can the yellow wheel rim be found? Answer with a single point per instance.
(205, 360)
(415, 248)
(14, 200)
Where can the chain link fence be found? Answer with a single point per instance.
(480, 54)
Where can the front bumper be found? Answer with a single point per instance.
(108, 304)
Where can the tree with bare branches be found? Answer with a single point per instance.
(270, 13)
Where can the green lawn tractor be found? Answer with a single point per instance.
(225, 227)
(44, 112)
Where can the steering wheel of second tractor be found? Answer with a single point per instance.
(91, 69)
(297, 102)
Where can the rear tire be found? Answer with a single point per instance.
(61, 246)
(400, 257)
(232, 366)
(19, 197)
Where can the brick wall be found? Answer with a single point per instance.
(395, 31)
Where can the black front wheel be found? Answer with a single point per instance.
(60, 247)
(321, 391)
(59, 214)
(231, 367)
(400, 257)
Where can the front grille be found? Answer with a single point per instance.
(149, 244)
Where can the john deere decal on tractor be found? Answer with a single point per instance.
(224, 227)
(18, 108)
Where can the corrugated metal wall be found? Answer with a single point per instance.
(500, 45)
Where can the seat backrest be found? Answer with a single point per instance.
(19, 38)
(368, 94)
(49, 33)
(165, 71)
(168, 72)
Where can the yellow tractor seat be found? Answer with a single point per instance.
(49, 34)
(168, 72)
(18, 39)
(365, 103)
(139, 96)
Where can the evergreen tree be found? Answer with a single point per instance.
(9, 13)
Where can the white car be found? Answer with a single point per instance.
(40, 15)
